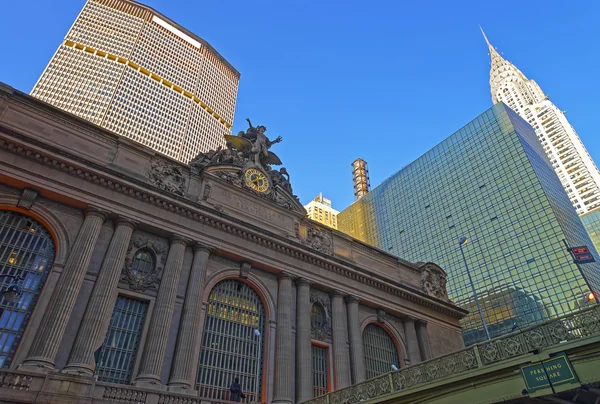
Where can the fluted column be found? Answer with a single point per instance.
(97, 314)
(54, 323)
(303, 345)
(357, 352)
(160, 325)
(187, 349)
(341, 361)
(412, 343)
(423, 338)
(283, 347)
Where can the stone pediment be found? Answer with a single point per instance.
(246, 163)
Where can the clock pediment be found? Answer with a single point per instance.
(247, 163)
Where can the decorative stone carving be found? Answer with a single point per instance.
(160, 249)
(245, 269)
(206, 191)
(322, 298)
(249, 149)
(28, 198)
(380, 315)
(6, 190)
(320, 240)
(167, 177)
(433, 281)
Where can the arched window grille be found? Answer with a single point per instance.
(230, 346)
(143, 263)
(27, 252)
(317, 316)
(380, 351)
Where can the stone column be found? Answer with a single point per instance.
(160, 325)
(357, 352)
(412, 343)
(423, 338)
(283, 347)
(51, 330)
(185, 362)
(303, 344)
(97, 314)
(341, 361)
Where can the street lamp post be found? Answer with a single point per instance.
(257, 334)
(461, 242)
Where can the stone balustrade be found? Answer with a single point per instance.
(582, 324)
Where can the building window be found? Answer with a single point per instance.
(319, 369)
(380, 351)
(232, 342)
(317, 316)
(27, 252)
(143, 263)
(120, 346)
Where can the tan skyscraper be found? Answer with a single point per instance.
(131, 70)
(320, 210)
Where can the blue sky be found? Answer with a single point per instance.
(384, 80)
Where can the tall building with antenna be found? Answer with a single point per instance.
(574, 166)
(131, 70)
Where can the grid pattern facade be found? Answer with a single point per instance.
(128, 69)
(591, 221)
(319, 369)
(122, 340)
(380, 351)
(320, 210)
(571, 161)
(230, 347)
(492, 183)
(27, 252)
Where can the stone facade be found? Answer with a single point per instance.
(102, 199)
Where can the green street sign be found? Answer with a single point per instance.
(557, 369)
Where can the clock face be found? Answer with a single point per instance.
(256, 180)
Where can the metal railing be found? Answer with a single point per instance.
(582, 324)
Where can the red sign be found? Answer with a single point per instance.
(580, 250)
(585, 257)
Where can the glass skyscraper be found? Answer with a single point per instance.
(591, 221)
(492, 183)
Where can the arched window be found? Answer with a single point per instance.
(380, 351)
(27, 252)
(232, 342)
(143, 263)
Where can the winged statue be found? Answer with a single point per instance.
(254, 142)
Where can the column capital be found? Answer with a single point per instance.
(409, 319)
(93, 211)
(198, 246)
(352, 299)
(421, 321)
(337, 293)
(177, 239)
(285, 276)
(303, 282)
(125, 221)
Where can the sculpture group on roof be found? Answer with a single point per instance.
(248, 148)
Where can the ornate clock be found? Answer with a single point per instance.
(257, 180)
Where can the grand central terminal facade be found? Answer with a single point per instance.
(144, 280)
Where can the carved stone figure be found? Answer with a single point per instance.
(433, 281)
(167, 177)
(320, 240)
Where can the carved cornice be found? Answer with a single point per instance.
(119, 182)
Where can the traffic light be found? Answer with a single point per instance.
(591, 296)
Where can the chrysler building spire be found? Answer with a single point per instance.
(571, 161)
